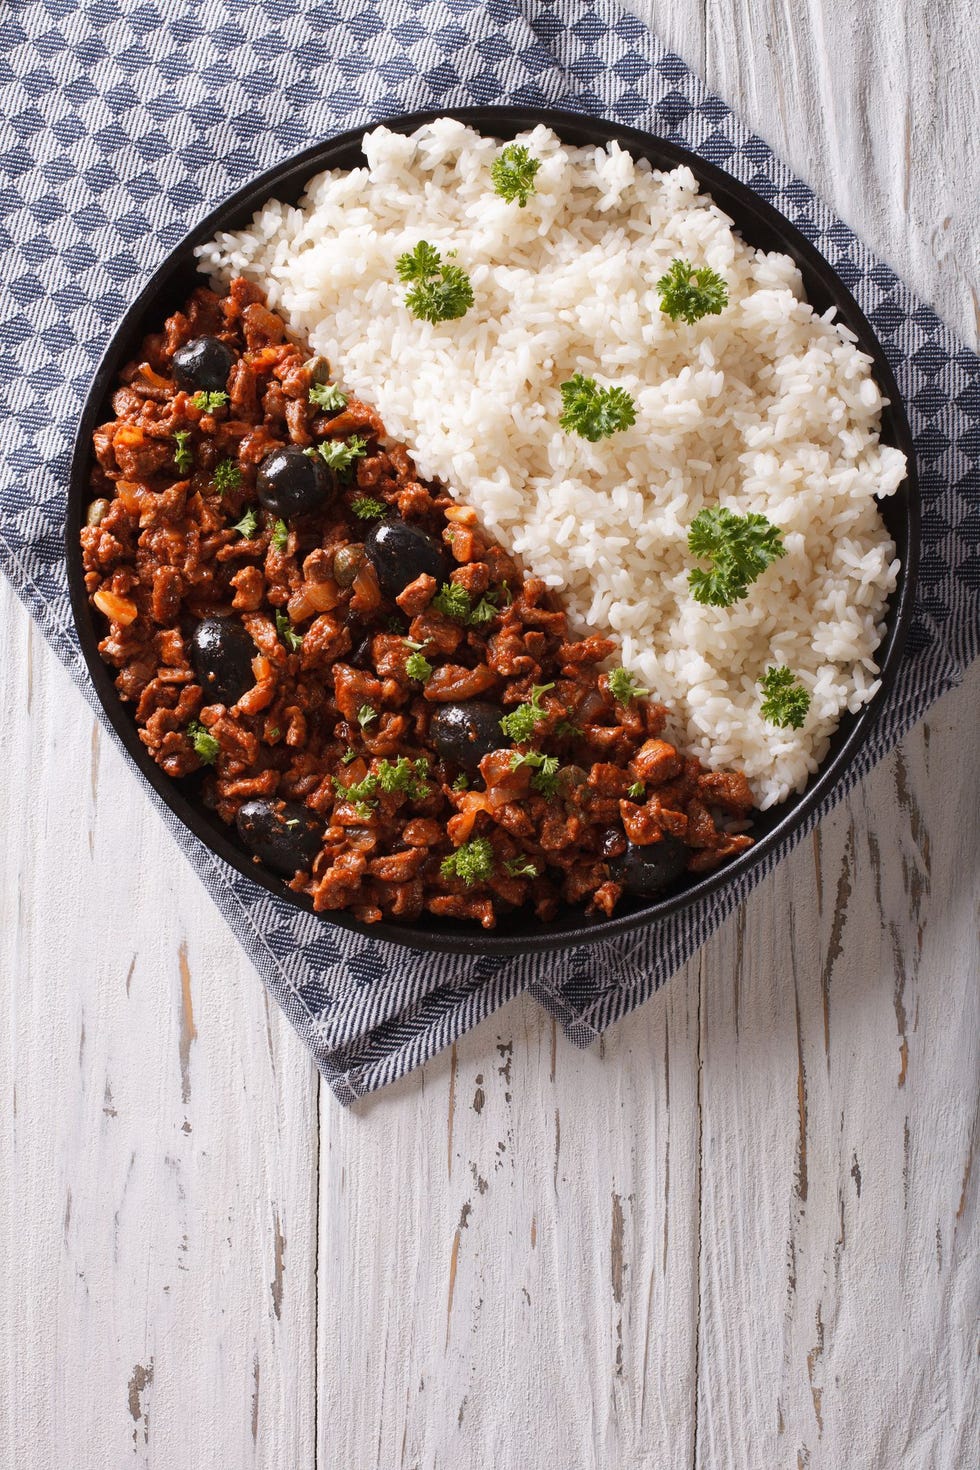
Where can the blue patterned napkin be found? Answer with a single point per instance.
(126, 121)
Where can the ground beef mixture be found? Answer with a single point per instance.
(336, 642)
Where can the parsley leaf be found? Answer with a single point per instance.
(365, 715)
(248, 525)
(687, 294)
(205, 746)
(545, 778)
(207, 402)
(519, 725)
(739, 547)
(340, 454)
(287, 632)
(404, 775)
(366, 508)
(328, 397)
(363, 805)
(519, 867)
(623, 686)
(462, 782)
(417, 666)
(350, 754)
(483, 612)
(361, 794)
(593, 412)
(512, 173)
(183, 454)
(280, 536)
(453, 602)
(565, 730)
(439, 293)
(227, 476)
(471, 863)
(636, 791)
(785, 701)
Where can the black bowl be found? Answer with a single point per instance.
(761, 226)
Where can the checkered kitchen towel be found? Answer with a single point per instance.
(125, 121)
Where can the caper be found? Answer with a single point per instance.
(319, 369)
(96, 512)
(347, 562)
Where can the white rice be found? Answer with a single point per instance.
(767, 407)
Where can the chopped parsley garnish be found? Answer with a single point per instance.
(594, 412)
(483, 611)
(274, 734)
(462, 782)
(519, 867)
(520, 724)
(417, 666)
(227, 476)
(248, 525)
(365, 715)
(785, 701)
(565, 730)
(623, 686)
(687, 294)
(207, 402)
(739, 547)
(438, 292)
(453, 602)
(360, 794)
(366, 508)
(280, 536)
(636, 791)
(349, 755)
(545, 778)
(328, 397)
(340, 454)
(471, 863)
(183, 454)
(512, 173)
(287, 632)
(404, 775)
(205, 746)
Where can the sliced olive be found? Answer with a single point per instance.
(399, 553)
(360, 658)
(651, 868)
(465, 733)
(222, 654)
(203, 365)
(293, 483)
(285, 835)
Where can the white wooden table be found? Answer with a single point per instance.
(740, 1233)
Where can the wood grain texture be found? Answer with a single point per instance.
(741, 1232)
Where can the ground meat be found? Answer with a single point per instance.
(320, 707)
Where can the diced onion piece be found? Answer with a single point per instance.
(117, 609)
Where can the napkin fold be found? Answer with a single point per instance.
(124, 122)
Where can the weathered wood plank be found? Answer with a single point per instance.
(157, 1223)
